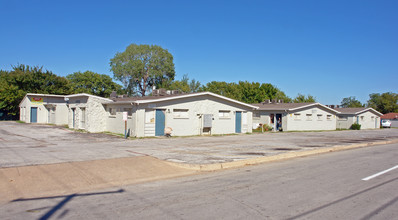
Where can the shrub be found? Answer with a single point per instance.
(355, 126)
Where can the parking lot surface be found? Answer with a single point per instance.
(32, 144)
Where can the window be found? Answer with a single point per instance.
(329, 117)
(149, 116)
(342, 118)
(373, 118)
(256, 115)
(128, 110)
(112, 111)
(362, 118)
(309, 117)
(297, 116)
(319, 116)
(180, 113)
(83, 118)
(225, 114)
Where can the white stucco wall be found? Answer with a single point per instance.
(369, 120)
(115, 123)
(318, 119)
(192, 123)
(95, 114)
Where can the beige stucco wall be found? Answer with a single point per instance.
(115, 123)
(345, 121)
(192, 124)
(43, 112)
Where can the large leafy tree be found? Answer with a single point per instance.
(184, 85)
(384, 103)
(249, 92)
(300, 98)
(92, 83)
(140, 67)
(23, 79)
(351, 102)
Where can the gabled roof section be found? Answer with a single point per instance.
(45, 95)
(356, 111)
(289, 106)
(391, 115)
(152, 99)
(88, 95)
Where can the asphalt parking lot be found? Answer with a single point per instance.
(32, 144)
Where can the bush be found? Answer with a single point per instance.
(265, 128)
(355, 126)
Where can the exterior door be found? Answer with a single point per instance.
(73, 117)
(33, 115)
(159, 122)
(238, 122)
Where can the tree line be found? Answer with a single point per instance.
(139, 68)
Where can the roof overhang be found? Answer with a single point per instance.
(370, 109)
(313, 104)
(165, 98)
(88, 95)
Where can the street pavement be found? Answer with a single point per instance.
(326, 186)
(33, 144)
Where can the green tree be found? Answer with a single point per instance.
(384, 103)
(183, 85)
(140, 67)
(229, 90)
(351, 102)
(300, 98)
(23, 79)
(92, 83)
(248, 92)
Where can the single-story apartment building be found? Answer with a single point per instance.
(368, 118)
(43, 108)
(182, 114)
(393, 117)
(295, 116)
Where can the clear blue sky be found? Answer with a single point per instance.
(329, 49)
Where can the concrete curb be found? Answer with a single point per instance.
(279, 157)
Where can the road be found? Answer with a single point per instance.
(327, 186)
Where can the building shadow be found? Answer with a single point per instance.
(66, 199)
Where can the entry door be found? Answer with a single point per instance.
(159, 122)
(33, 115)
(73, 117)
(238, 122)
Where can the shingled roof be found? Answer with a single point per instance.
(391, 115)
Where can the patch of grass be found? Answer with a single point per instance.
(19, 121)
(114, 134)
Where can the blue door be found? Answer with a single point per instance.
(33, 114)
(159, 123)
(238, 122)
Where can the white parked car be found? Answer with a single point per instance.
(385, 123)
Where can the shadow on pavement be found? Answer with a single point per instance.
(67, 198)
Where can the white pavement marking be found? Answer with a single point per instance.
(380, 173)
